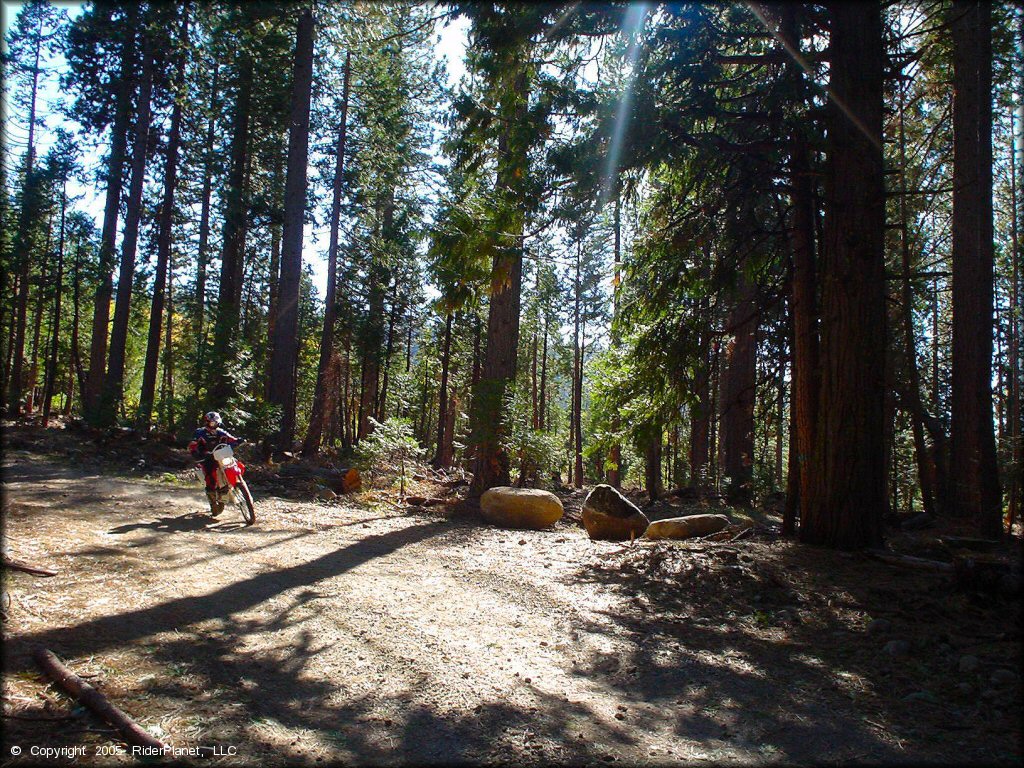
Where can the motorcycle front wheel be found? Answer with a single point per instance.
(244, 500)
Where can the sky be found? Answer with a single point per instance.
(450, 47)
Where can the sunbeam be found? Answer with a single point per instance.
(634, 23)
(806, 67)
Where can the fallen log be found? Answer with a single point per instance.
(132, 732)
(909, 561)
(17, 565)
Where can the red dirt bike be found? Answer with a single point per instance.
(229, 481)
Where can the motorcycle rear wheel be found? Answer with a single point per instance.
(244, 500)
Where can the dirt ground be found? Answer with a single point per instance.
(361, 631)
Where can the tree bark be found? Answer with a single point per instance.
(652, 457)
(738, 387)
(849, 500)
(443, 455)
(490, 423)
(973, 457)
(113, 387)
(286, 342)
(576, 437)
(199, 303)
(51, 363)
(111, 209)
(81, 691)
(1014, 490)
(163, 250)
(23, 244)
(232, 253)
(925, 467)
(614, 475)
(316, 418)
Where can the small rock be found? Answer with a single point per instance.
(968, 664)
(620, 715)
(898, 649)
(326, 494)
(879, 626)
(522, 541)
(1003, 678)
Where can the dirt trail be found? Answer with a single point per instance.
(370, 635)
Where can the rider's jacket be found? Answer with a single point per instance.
(204, 441)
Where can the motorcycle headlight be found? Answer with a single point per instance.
(226, 462)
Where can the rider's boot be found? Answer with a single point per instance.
(216, 507)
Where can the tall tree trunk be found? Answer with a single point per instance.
(163, 249)
(803, 299)
(791, 509)
(973, 458)
(738, 387)
(544, 421)
(577, 376)
(614, 475)
(76, 298)
(320, 394)
(274, 269)
(232, 254)
(1014, 490)
(111, 208)
(167, 384)
(373, 338)
(286, 342)
(652, 456)
(44, 279)
(113, 387)
(23, 245)
(389, 346)
(443, 456)
(925, 467)
(202, 257)
(849, 499)
(490, 423)
(51, 363)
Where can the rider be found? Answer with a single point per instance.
(205, 439)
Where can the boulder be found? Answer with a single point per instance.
(520, 507)
(609, 515)
(687, 527)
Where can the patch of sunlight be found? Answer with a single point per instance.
(811, 661)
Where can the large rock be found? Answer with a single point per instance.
(520, 507)
(609, 515)
(687, 527)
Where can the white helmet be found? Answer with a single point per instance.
(213, 416)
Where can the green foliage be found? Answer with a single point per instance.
(534, 453)
(389, 449)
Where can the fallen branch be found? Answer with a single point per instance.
(17, 565)
(132, 732)
(743, 534)
(909, 561)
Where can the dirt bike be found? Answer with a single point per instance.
(229, 479)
